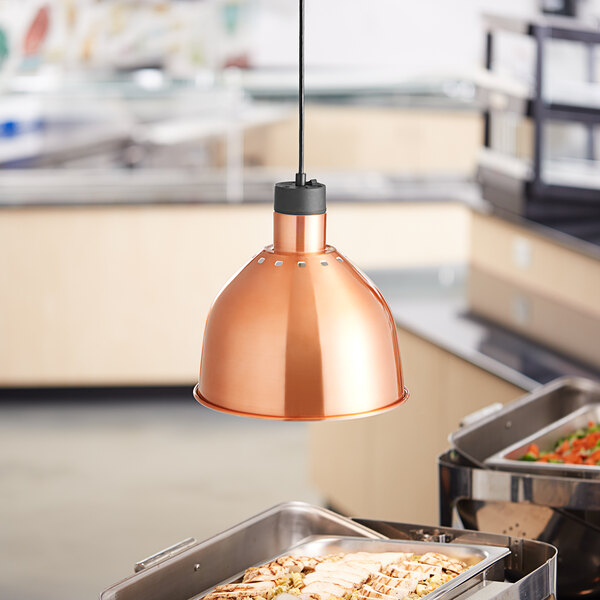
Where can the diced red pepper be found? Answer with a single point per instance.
(534, 450)
(573, 458)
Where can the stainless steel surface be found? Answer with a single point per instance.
(522, 418)
(550, 506)
(203, 565)
(522, 518)
(528, 572)
(578, 540)
(561, 511)
(433, 304)
(486, 411)
(486, 590)
(169, 552)
(179, 185)
(546, 438)
(528, 313)
(479, 558)
(507, 486)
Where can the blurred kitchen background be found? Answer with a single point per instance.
(139, 144)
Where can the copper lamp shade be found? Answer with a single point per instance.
(300, 333)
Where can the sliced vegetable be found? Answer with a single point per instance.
(580, 447)
(530, 457)
(533, 450)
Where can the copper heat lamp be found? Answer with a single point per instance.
(300, 333)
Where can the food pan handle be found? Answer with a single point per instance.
(486, 411)
(164, 554)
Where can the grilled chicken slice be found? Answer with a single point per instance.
(233, 595)
(448, 564)
(280, 568)
(391, 583)
(398, 591)
(384, 558)
(240, 590)
(399, 572)
(259, 586)
(337, 579)
(410, 565)
(337, 571)
(368, 566)
(325, 589)
(268, 572)
(368, 592)
(391, 568)
(309, 597)
(237, 596)
(342, 568)
(297, 564)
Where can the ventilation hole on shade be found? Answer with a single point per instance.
(261, 260)
(340, 259)
(301, 263)
(324, 263)
(278, 263)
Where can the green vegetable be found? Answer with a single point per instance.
(555, 460)
(529, 457)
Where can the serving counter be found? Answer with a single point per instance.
(91, 284)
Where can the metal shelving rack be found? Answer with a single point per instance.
(524, 187)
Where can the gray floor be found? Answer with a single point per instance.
(85, 491)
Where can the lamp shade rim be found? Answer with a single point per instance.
(202, 400)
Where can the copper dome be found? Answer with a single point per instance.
(300, 333)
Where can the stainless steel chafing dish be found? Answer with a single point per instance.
(187, 570)
(560, 404)
(546, 504)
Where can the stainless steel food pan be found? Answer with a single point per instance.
(546, 438)
(477, 557)
(523, 418)
(183, 571)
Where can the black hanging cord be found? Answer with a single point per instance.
(300, 197)
(301, 175)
